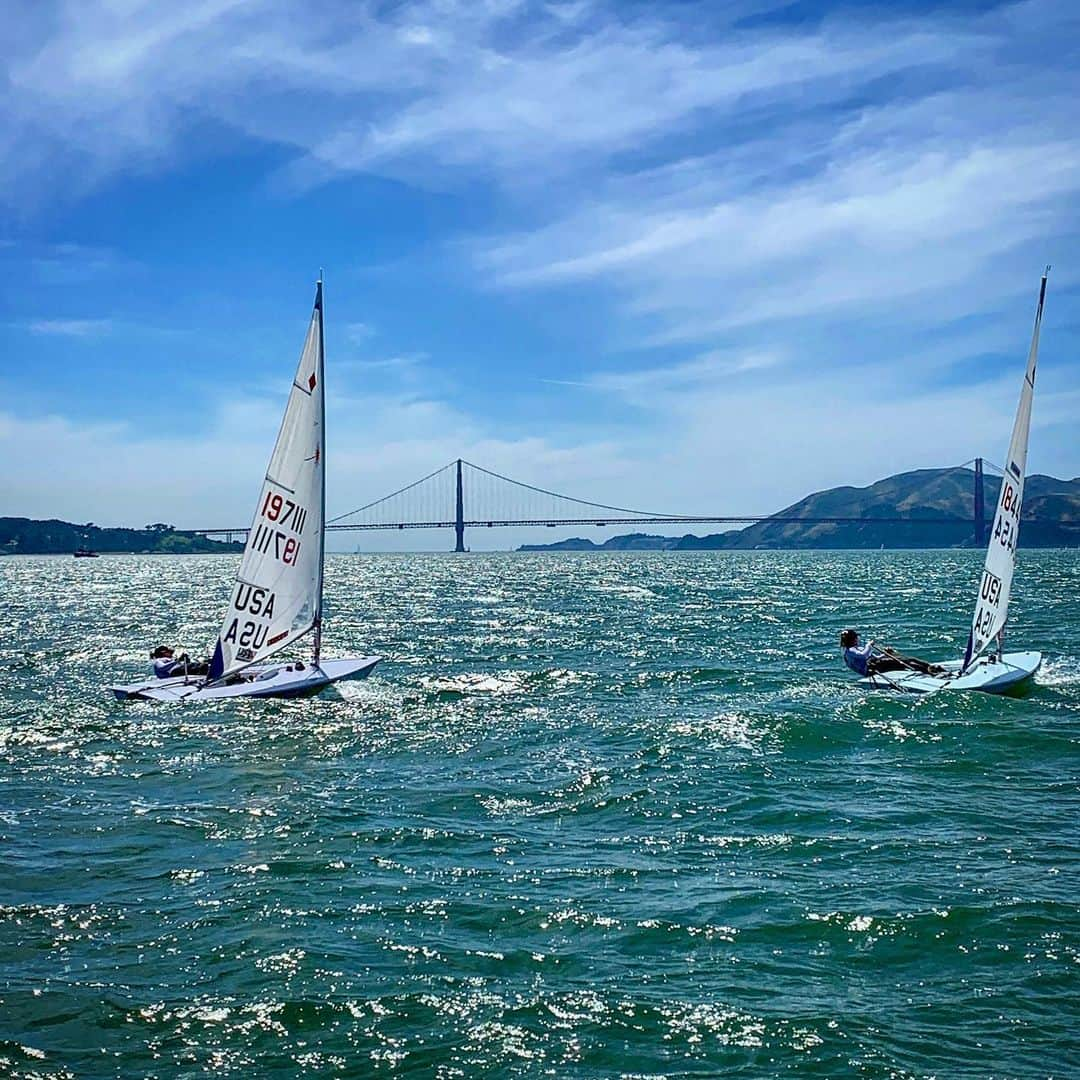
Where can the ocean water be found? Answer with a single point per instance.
(595, 816)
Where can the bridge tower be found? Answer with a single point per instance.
(980, 505)
(459, 515)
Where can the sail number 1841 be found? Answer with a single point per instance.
(1008, 517)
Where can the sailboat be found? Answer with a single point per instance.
(985, 666)
(278, 594)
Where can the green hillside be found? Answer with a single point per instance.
(1051, 517)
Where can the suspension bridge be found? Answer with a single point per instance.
(461, 496)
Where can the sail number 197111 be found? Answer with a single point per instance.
(285, 514)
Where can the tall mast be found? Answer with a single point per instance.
(322, 468)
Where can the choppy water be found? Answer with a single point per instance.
(597, 816)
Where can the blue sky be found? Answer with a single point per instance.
(686, 256)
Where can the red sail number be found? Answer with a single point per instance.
(284, 511)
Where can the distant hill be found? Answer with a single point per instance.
(1051, 517)
(626, 542)
(25, 536)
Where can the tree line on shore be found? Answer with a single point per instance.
(27, 536)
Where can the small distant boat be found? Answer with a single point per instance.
(278, 595)
(85, 553)
(995, 672)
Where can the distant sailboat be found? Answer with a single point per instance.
(995, 672)
(278, 595)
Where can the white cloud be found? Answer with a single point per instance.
(402, 364)
(714, 443)
(648, 386)
(74, 264)
(117, 474)
(921, 205)
(75, 328)
(883, 230)
(506, 88)
(357, 333)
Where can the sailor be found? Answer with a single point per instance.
(169, 663)
(867, 660)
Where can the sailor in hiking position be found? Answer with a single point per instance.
(866, 660)
(168, 663)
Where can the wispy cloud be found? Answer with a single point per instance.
(75, 328)
(358, 333)
(524, 90)
(402, 366)
(839, 204)
(888, 224)
(709, 370)
(498, 92)
(71, 264)
(406, 362)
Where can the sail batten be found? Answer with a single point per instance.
(276, 597)
(995, 587)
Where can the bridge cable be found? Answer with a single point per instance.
(570, 498)
(400, 491)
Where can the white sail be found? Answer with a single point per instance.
(278, 592)
(992, 603)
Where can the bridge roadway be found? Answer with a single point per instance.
(742, 519)
(621, 516)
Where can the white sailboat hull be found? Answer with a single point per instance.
(259, 681)
(998, 675)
